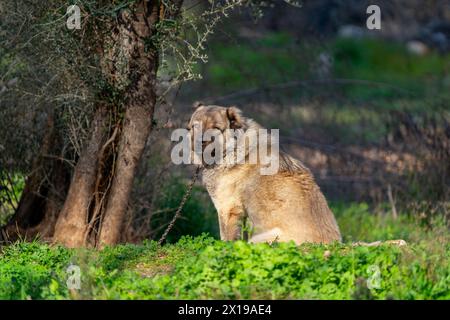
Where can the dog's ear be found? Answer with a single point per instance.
(234, 115)
(197, 104)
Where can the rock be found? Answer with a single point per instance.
(417, 47)
(399, 243)
(12, 82)
(324, 65)
(351, 31)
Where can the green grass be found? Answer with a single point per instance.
(391, 73)
(369, 79)
(272, 59)
(203, 267)
(385, 70)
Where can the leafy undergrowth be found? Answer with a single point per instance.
(203, 267)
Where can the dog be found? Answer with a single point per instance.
(284, 206)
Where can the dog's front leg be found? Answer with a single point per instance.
(230, 222)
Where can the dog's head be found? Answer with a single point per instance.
(216, 121)
(215, 117)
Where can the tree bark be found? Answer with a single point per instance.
(137, 124)
(102, 181)
(73, 221)
(44, 191)
(99, 193)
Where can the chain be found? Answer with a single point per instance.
(180, 207)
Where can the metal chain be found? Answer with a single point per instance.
(180, 207)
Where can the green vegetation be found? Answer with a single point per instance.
(367, 79)
(272, 59)
(203, 267)
(384, 69)
(198, 214)
(11, 188)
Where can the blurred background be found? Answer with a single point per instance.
(368, 111)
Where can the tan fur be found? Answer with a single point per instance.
(281, 207)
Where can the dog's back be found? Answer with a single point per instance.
(292, 203)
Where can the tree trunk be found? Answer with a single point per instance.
(99, 193)
(137, 124)
(44, 191)
(135, 133)
(73, 220)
